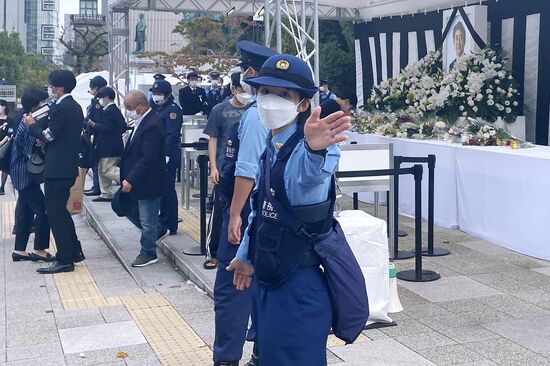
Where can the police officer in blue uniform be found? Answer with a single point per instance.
(244, 147)
(215, 92)
(324, 92)
(294, 314)
(156, 77)
(93, 113)
(163, 104)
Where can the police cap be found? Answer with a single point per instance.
(285, 71)
(159, 77)
(215, 75)
(98, 82)
(253, 54)
(192, 74)
(162, 86)
(323, 82)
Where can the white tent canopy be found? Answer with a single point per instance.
(381, 8)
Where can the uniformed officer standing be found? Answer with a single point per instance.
(93, 114)
(214, 93)
(192, 98)
(324, 92)
(156, 77)
(163, 104)
(245, 145)
(294, 313)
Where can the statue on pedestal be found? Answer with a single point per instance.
(140, 34)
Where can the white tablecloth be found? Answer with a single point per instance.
(494, 193)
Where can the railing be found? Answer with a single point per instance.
(78, 19)
(8, 93)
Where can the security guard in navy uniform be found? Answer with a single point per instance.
(324, 92)
(93, 113)
(293, 307)
(215, 92)
(156, 77)
(244, 147)
(163, 104)
(192, 98)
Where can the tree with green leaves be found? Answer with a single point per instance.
(18, 67)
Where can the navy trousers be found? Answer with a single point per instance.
(294, 320)
(168, 217)
(232, 308)
(95, 177)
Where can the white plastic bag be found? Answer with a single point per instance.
(368, 240)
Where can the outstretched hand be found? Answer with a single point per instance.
(242, 278)
(320, 133)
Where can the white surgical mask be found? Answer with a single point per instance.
(214, 83)
(158, 99)
(102, 102)
(193, 83)
(243, 98)
(275, 111)
(133, 115)
(2, 109)
(51, 95)
(322, 89)
(247, 88)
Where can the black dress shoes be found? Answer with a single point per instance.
(56, 267)
(92, 193)
(102, 199)
(18, 257)
(35, 257)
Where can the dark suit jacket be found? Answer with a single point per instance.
(191, 102)
(64, 124)
(143, 161)
(108, 136)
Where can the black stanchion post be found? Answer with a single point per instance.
(397, 254)
(355, 201)
(432, 251)
(203, 189)
(418, 274)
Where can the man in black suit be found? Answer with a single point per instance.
(142, 173)
(61, 134)
(192, 98)
(108, 140)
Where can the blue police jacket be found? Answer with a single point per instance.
(172, 118)
(252, 135)
(307, 177)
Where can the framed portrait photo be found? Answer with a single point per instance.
(459, 40)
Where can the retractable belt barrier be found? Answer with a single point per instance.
(417, 274)
(430, 250)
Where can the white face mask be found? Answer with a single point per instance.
(193, 83)
(158, 99)
(102, 102)
(275, 111)
(247, 88)
(322, 89)
(215, 83)
(2, 109)
(133, 114)
(243, 98)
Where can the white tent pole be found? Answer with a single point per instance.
(316, 37)
(279, 28)
(267, 16)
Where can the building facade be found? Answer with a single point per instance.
(41, 18)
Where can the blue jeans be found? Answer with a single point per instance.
(146, 217)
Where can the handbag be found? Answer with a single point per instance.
(86, 151)
(5, 155)
(35, 165)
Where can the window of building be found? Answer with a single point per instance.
(88, 7)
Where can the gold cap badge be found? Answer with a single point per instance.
(282, 65)
(278, 145)
(155, 85)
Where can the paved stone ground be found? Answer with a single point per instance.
(491, 307)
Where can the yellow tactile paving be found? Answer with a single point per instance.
(171, 338)
(190, 224)
(7, 214)
(78, 289)
(333, 341)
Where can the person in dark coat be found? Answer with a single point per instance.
(192, 98)
(168, 111)
(143, 174)
(6, 132)
(108, 141)
(61, 135)
(30, 199)
(94, 113)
